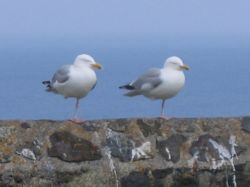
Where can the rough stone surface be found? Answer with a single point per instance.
(135, 179)
(170, 148)
(70, 148)
(209, 152)
(120, 145)
(246, 124)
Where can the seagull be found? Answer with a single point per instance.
(158, 83)
(75, 80)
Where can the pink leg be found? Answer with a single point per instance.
(75, 118)
(163, 111)
(165, 117)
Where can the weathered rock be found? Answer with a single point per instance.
(120, 145)
(70, 148)
(25, 125)
(246, 124)
(136, 179)
(124, 147)
(185, 179)
(148, 127)
(170, 148)
(7, 139)
(126, 152)
(162, 173)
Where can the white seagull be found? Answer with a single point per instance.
(159, 83)
(75, 80)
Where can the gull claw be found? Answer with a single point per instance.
(165, 117)
(76, 120)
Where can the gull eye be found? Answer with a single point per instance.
(176, 63)
(88, 61)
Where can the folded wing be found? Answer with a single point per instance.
(146, 82)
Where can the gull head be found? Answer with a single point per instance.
(176, 63)
(85, 60)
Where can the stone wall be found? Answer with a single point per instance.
(126, 152)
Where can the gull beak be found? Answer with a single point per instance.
(96, 66)
(184, 67)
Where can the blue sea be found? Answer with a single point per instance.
(218, 83)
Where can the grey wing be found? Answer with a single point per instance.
(62, 74)
(151, 77)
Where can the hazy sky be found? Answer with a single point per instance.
(65, 18)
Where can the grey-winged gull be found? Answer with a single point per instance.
(75, 80)
(159, 83)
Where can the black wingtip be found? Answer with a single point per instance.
(46, 82)
(127, 86)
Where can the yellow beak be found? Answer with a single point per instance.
(184, 67)
(96, 66)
